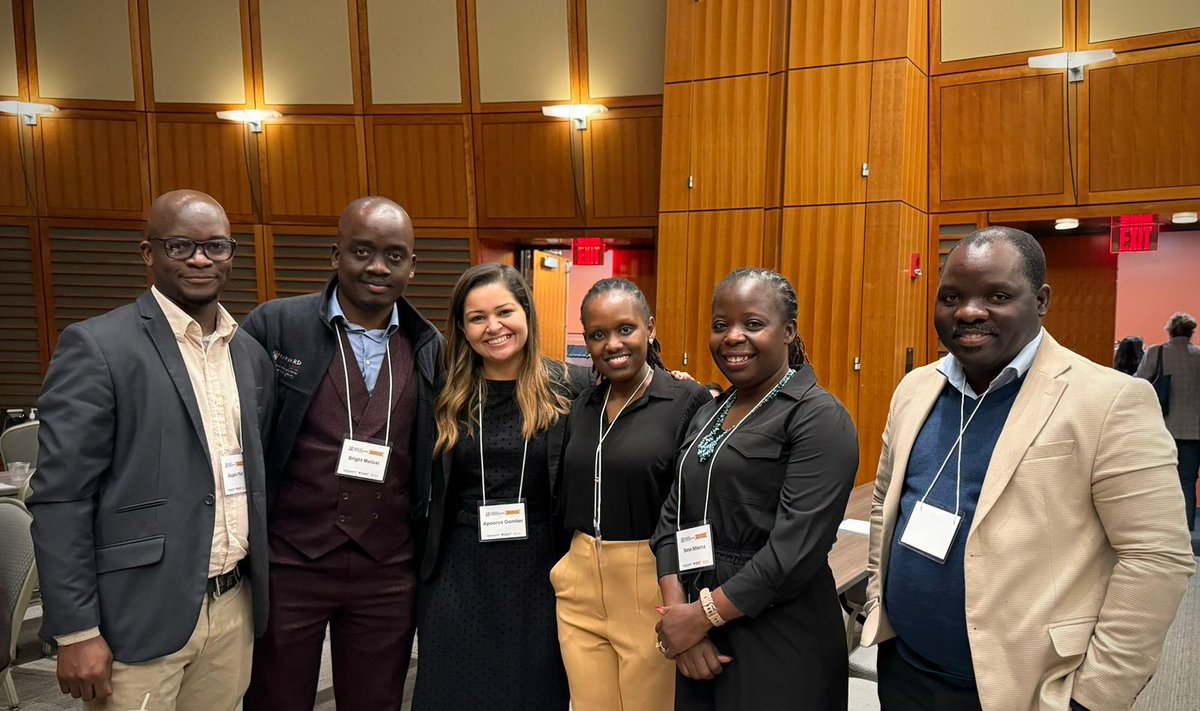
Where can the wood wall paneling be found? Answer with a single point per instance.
(314, 168)
(424, 163)
(299, 258)
(827, 135)
(15, 182)
(733, 37)
(197, 53)
(202, 152)
(678, 101)
(416, 52)
(92, 269)
(623, 165)
(902, 31)
(899, 136)
(998, 139)
(825, 32)
(307, 55)
(21, 334)
(1082, 275)
(670, 305)
(822, 255)
(84, 53)
(442, 256)
(683, 17)
(528, 171)
(893, 315)
(1140, 127)
(728, 143)
(93, 164)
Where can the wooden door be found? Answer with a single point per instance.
(549, 284)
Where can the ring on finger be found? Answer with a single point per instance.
(660, 646)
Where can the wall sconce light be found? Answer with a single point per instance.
(1184, 218)
(1073, 62)
(28, 112)
(1066, 223)
(576, 112)
(251, 117)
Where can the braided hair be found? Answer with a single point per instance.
(617, 285)
(785, 298)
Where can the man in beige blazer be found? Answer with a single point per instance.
(1038, 564)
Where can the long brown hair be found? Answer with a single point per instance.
(540, 401)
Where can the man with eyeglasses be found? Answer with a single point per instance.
(149, 496)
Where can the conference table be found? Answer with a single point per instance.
(848, 558)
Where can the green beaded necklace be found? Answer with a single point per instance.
(709, 443)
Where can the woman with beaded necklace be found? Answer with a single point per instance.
(751, 615)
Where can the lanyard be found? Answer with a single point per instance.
(962, 429)
(387, 432)
(726, 438)
(597, 462)
(482, 471)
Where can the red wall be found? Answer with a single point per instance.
(1153, 285)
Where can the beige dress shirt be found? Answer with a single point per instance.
(210, 369)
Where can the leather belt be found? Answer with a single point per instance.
(221, 584)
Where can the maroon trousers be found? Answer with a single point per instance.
(370, 610)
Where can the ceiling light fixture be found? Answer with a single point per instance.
(576, 112)
(251, 117)
(1073, 62)
(1066, 223)
(27, 111)
(1183, 218)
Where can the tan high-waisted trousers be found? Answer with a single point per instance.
(606, 618)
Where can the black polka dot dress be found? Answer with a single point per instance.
(487, 632)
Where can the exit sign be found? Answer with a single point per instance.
(1134, 233)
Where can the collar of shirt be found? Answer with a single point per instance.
(957, 377)
(185, 327)
(659, 387)
(379, 335)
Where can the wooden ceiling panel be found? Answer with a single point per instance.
(94, 163)
(425, 165)
(314, 168)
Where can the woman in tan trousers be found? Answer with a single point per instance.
(621, 441)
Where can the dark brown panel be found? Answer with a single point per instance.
(20, 354)
(526, 171)
(14, 198)
(241, 293)
(442, 256)
(94, 164)
(624, 152)
(93, 271)
(425, 165)
(207, 154)
(314, 168)
(1082, 275)
(300, 259)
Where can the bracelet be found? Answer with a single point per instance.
(710, 608)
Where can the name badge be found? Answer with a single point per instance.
(363, 460)
(695, 548)
(931, 531)
(502, 521)
(233, 473)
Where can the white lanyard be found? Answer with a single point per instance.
(482, 471)
(597, 462)
(346, 373)
(726, 438)
(962, 429)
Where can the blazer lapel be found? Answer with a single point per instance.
(925, 394)
(1038, 397)
(248, 404)
(168, 349)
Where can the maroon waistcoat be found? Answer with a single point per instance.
(317, 510)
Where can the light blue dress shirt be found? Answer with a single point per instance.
(369, 345)
(957, 377)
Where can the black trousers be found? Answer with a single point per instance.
(903, 687)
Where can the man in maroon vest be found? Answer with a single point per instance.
(352, 442)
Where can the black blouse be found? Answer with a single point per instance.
(779, 490)
(637, 457)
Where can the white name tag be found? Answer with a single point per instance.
(930, 531)
(695, 548)
(233, 473)
(502, 522)
(363, 460)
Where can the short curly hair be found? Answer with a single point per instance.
(1181, 324)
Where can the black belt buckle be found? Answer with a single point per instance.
(221, 584)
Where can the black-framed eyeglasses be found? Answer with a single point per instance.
(182, 248)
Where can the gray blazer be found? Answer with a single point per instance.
(1181, 360)
(123, 502)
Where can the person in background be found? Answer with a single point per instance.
(751, 614)
(714, 389)
(148, 516)
(486, 607)
(355, 365)
(1181, 360)
(622, 435)
(1128, 355)
(1027, 550)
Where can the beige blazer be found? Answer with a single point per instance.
(1078, 554)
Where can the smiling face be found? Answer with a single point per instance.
(987, 310)
(618, 336)
(749, 335)
(195, 282)
(495, 325)
(374, 261)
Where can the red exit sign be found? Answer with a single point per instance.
(1134, 233)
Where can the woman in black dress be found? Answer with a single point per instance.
(752, 618)
(485, 606)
